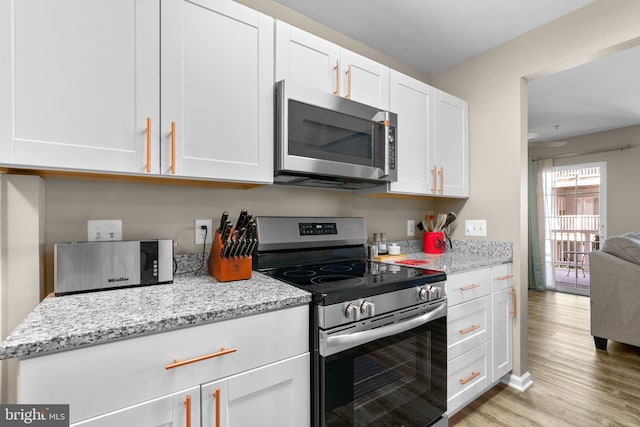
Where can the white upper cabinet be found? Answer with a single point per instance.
(84, 79)
(412, 100)
(450, 147)
(87, 79)
(217, 91)
(314, 62)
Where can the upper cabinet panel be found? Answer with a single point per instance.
(314, 62)
(306, 59)
(82, 92)
(364, 80)
(217, 91)
(451, 145)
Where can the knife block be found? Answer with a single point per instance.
(227, 269)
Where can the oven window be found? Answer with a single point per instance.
(318, 133)
(394, 381)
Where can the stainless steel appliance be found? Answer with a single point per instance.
(93, 266)
(323, 140)
(378, 331)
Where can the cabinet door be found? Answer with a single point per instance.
(450, 148)
(364, 80)
(161, 412)
(83, 88)
(217, 87)
(306, 59)
(412, 100)
(502, 333)
(275, 395)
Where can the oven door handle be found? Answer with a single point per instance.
(339, 343)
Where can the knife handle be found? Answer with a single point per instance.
(223, 220)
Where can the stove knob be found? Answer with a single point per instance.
(424, 293)
(434, 293)
(352, 312)
(368, 309)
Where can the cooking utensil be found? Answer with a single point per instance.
(223, 220)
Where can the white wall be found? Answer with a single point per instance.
(494, 85)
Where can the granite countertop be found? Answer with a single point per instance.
(465, 255)
(64, 323)
(67, 322)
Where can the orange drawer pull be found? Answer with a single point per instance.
(513, 301)
(216, 395)
(441, 173)
(507, 277)
(348, 82)
(147, 166)
(469, 329)
(176, 363)
(337, 68)
(173, 148)
(467, 288)
(435, 179)
(187, 402)
(473, 375)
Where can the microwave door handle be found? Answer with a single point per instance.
(385, 123)
(343, 342)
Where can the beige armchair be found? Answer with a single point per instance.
(615, 291)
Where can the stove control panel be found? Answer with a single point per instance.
(317, 228)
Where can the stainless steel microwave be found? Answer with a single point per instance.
(324, 140)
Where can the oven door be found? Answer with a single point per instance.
(323, 134)
(396, 379)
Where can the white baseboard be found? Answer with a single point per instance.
(520, 383)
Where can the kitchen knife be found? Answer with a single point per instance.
(223, 220)
(226, 230)
(247, 219)
(243, 214)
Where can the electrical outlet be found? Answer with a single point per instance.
(200, 233)
(110, 229)
(475, 227)
(411, 227)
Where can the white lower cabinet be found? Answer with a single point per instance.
(260, 363)
(479, 329)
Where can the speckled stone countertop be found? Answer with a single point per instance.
(62, 323)
(465, 255)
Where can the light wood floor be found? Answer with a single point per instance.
(573, 383)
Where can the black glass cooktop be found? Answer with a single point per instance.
(344, 281)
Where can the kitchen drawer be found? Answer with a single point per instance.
(128, 371)
(468, 325)
(467, 376)
(463, 287)
(501, 277)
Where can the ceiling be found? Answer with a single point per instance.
(433, 35)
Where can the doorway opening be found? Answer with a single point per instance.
(574, 218)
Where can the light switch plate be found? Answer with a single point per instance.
(411, 228)
(475, 227)
(109, 229)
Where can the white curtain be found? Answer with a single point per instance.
(546, 216)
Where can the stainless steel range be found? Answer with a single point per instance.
(378, 331)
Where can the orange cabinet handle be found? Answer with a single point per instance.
(337, 68)
(473, 375)
(173, 148)
(216, 395)
(467, 288)
(441, 173)
(435, 179)
(148, 165)
(176, 363)
(348, 82)
(513, 301)
(469, 329)
(507, 277)
(187, 402)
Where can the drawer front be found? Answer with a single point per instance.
(501, 277)
(468, 325)
(102, 378)
(463, 287)
(467, 376)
